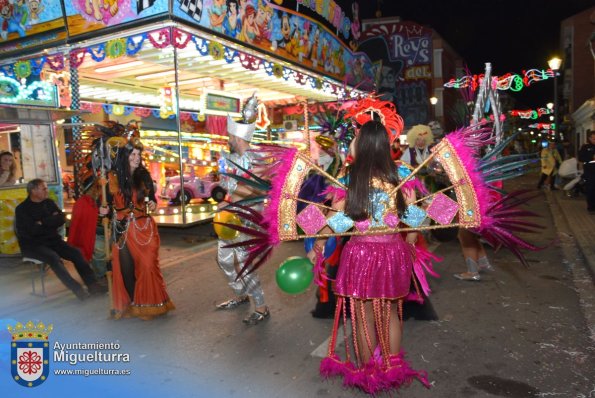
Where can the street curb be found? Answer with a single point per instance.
(584, 242)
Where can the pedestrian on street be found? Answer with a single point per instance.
(138, 285)
(232, 259)
(550, 161)
(586, 155)
(37, 220)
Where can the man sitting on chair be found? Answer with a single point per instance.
(37, 220)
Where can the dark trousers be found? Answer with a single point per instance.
(544, 177)
(590, 190)
(53, 254)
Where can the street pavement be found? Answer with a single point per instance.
(519, 332)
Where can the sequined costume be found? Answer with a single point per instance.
(377, 268)
(227, 257)
(136, 251)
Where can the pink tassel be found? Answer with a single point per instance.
(423, 265)
(335, 193)
(373, 377)
(414, 184)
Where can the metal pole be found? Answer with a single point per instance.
(179, 128)
(556, 104)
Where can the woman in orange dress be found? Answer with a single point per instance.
(138, 285)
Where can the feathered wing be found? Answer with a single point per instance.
(456, 154)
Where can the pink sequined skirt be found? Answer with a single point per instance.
(376, 266)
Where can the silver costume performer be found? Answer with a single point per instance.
(226, 257)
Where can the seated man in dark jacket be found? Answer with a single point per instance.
(37, 220)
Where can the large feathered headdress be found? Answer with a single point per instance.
(371, 108)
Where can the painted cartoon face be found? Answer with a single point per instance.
(34, 6)
(233, 9)
(261, 16)
(285, 26)
(5, 9)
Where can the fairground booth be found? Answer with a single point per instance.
(175, 69)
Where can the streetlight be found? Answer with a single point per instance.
(554, 65)
(433, 101)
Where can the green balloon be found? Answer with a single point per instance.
(295, 275)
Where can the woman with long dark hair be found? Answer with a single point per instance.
(138, 285)
(375, 271)
(8, 168)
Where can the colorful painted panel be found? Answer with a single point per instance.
(85, 16)
(282, 32)
(403, 52)
(339, 16)
(27, 23)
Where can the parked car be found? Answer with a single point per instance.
(194, 187)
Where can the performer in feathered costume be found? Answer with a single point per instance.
(229, 254)
(374, 204)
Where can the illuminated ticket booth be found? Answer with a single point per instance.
(29, 135)
(176, 69)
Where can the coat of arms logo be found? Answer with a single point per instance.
(30, 353)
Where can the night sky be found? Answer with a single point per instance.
(512, 35)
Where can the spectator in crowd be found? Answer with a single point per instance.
(586, 155)
(37, 220)
(7, 169)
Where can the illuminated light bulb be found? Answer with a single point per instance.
(215, 207)
(176, 211)
(189, 210)
(161, 211)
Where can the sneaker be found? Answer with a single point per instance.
(468, 276)
(232, 303)
(257, 317)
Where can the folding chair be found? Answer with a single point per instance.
(38, 270)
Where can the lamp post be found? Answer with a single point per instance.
(433, 101)
(554, 65)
